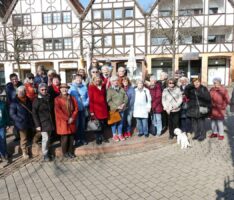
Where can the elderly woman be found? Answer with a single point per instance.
(156, 104)
(98, 106)
(117, 100)
(199, 106)
(30, 87)
(142, 107)
(219, 102)
(128, 113)
(41, 76)
(106, 76)
(66, 111)
(172, 100)
(185, 122)
(21, 114)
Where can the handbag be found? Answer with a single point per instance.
(202, 109)
(114, 117)
(93, 125)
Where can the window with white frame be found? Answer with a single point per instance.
(48, 44)
(118, 40)
(47, 18)
(58, 44)
(118, 13)
(67, 43)
(97, 14)
(107, 14)
(57, 18)
(128, 13)
(97, 41)
(67, 17)
(216, 39)
(129, 40)
(107, 40)
(25, 45)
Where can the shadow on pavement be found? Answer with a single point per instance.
(228, 193)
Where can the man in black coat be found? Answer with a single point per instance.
(42, 116)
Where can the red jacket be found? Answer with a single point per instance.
(97, 102)
(156, 95)
(63, 113)
(219, 100)
(30, 91)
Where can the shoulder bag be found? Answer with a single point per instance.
(202, 109)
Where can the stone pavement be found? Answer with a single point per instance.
(204, 172)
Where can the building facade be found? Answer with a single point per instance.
(36, 32)
(194, 36)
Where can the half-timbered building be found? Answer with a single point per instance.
(40, 32)
(200, 35)
(110, 28)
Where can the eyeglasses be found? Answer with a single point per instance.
(94, 71)
(171, 83)
(43, 90)
(31, 77)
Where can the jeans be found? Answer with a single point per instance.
(80, 124)
(157, 122)
(3, 145)
(127, 125)
(217, 126)
(142, 126)
(45, 142)
(117, 128)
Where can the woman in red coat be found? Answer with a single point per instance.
(220, 100)
(66, 110)
(98, 105)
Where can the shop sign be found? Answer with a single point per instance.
(190, 56)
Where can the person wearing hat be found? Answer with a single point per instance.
(66, 111)
(30, 87)
(42, 110)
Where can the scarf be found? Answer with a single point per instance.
(56, 89)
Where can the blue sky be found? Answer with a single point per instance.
(143, 3)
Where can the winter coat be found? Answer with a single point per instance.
(62, 114)
(172, 99)
(11, 91)
(232, 102)
(142, 104)
(40, 79)
(53, 94)
(219, 100)
(203, 97)
(156, 96)
(115, 98)
(21, 116)
(163, 84)
(4, 116)
(131, 98)
(30, 91)
(42, 109)
(97, 101)
(80, 92)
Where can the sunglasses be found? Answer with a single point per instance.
(43, 89)
(171, 83)
(94, 71)
(31, 77)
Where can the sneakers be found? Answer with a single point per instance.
(121, 138)
(213, 135)
(220, 137)
(25, 156)
(116, 138)
(127, 135)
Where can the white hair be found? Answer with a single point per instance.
(164, 74)
(114, 78)
(20, 89)
(105, 67)
(217, 79)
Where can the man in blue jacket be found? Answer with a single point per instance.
(80, 92)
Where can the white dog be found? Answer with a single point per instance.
(182, 139)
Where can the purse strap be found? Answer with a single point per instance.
(146, 98)
(172, 96)
(26, 108)
(197, 99)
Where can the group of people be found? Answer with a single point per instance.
(44, 107)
